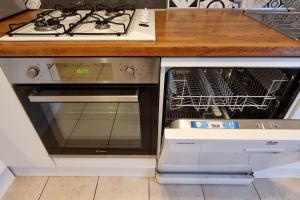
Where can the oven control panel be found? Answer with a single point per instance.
(82, 70)
(130, 72)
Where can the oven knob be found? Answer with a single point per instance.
(130, 71)
(32, 72)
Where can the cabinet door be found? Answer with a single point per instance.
(20, 145)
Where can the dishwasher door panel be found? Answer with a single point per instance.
(227, 150)
(224, 155)
(259, 161)
(179, 155)
(193, 134)
(225, 162)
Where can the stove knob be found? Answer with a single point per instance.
(32, 72)
(130, 71)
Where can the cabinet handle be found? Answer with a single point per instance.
(264, 150)
(75, 99)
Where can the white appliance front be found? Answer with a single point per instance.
(194, 151)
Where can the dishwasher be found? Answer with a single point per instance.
(223, 119)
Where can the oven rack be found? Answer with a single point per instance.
(234, 89)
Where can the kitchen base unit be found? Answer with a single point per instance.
(138, 166)
(223, 119)
(6, 178)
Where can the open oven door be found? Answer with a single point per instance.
(225, 151)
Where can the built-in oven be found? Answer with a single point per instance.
(90, 105)
(224, 119)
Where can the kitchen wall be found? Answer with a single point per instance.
(224, 3)
(163, 3)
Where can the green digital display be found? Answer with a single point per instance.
(82, 70)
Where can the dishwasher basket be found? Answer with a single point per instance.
(232, 88)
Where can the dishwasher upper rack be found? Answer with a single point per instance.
(211, 88)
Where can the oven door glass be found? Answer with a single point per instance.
(97, 125)
(92, 121)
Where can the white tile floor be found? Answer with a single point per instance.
(133, 188)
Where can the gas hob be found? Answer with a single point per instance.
(86, 23)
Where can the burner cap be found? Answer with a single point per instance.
(47, 25)
(102, 24)
(111, 12)
(67, 12)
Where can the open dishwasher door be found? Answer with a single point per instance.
(223, 124)
(225, 152)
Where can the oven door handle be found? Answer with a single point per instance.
(87, 99)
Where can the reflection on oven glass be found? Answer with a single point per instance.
(107, 73)
(126, 131)
(94, 125)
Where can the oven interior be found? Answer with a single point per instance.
(229, 93)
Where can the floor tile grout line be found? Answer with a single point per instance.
(96, 188)
(203, 191)
(256, 191)
(40, 196)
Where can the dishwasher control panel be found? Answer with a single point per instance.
(215, 124)
(235, 124)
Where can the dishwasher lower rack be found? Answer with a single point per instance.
(234, 88)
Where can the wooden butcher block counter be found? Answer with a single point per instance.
(178, 32)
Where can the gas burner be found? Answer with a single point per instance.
(72, 11)
(102, 24)
(68, 12)
(106, 21)
(114, 11)
(44, 25)
(111, 12)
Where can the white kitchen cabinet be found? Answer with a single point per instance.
(2, 166)
(6, 178)
(20, 145)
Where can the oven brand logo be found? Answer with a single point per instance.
(82, 70)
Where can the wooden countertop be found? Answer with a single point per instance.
(179, 33)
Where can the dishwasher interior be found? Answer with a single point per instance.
(229, 93)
